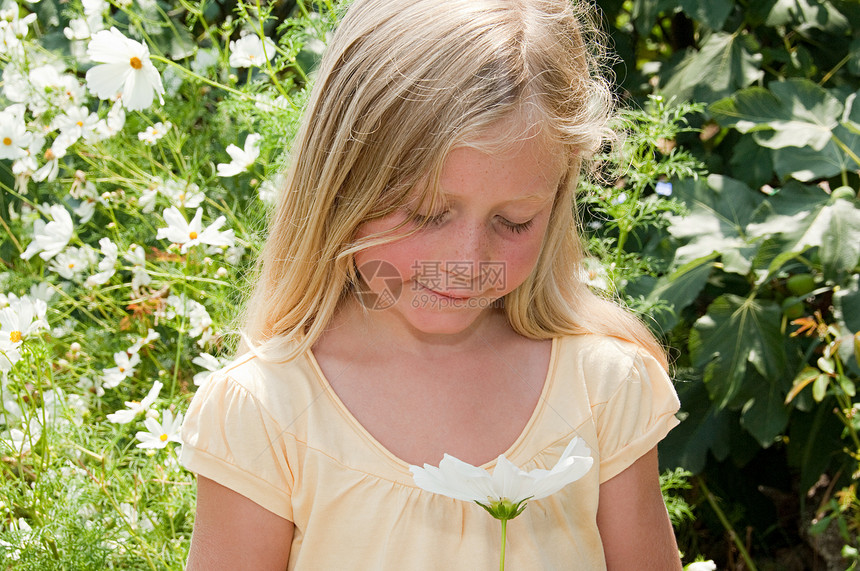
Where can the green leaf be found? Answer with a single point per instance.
(680, 289)
(645, 12)
(710, 12)
(724, 64)
(839, 155)
(840, 240)
(846, 302)
(819, 387)
(765, 415)
(735, 333)
(719, 210)
(793, 113)
(808, 14)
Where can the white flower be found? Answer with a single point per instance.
(151, 335)
(192, 233)
(50, 239)
(71, 263)
(134, 408)
(22, 318)
(14, 137)
(701, 566)
(250, 51)
(75, 123)
(125, 365)
(126, 70)
(154, 132)
(182, 194)
(199, 321)
(9, 355)
(106, 265)
(209, 363)
(83, 28)
(242, 159)
(594, 274)
(160, 433)
(508, 486)
(139, 276)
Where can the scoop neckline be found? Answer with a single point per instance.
(402, 464)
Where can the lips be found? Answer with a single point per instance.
(454, 296)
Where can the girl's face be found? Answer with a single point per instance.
(481, 243)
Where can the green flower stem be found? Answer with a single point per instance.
(190, 73)
(504, 537)
(727, 525)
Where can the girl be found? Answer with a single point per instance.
(419, 294)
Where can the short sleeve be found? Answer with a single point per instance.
(230, 438)
(637, 413)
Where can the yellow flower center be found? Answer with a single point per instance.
(163, 438)
(15, 336)
(135, 63)
(49, 155)
(193, 235)
(122, 369)
(7, 141)
(80, 123)
(71, 265)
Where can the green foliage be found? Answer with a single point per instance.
(123, 319)
(765, 243)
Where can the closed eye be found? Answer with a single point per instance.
(516, 227)
(429, 219)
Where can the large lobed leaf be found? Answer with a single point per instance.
(737, 332)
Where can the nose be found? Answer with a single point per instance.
(469, 251)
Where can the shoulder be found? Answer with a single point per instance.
(600, 354)
(608, 365)
(277, 388)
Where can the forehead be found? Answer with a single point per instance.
(529, 172)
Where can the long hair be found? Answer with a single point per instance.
(401, 84)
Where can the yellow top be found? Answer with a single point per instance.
(278, 434)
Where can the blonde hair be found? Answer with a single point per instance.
(401, 84)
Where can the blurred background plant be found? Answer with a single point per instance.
(764, 242)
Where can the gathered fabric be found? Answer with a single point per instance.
(278, 434)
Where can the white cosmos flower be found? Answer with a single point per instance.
(14, 137)
(209, 363)
(192, 233)
(134, 408)
(22, 318)
(75, 123)
(160, 433)
(153, 133)
(107, 266)
(125, 70)
(72, 262)
(242, 159)
(250, 51)
(50, 239)
(151, 335)
(508, 486)
(701, 566)
(125, 365)
(139, 276)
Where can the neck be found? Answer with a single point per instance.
(387, 332)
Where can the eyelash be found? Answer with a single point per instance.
(436, 220)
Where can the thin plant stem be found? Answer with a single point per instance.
(504, 537)
(712, 501)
